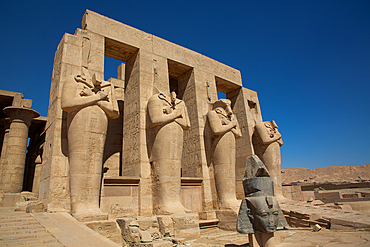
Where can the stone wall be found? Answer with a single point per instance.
(150, 65)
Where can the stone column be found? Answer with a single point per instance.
(37, 175)
(3, 150)
(247, 109)
(13, 168)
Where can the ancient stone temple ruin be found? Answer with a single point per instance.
(156, 140)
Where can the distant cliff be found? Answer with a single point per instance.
(331, 174)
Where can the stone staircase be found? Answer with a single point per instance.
(20, 228)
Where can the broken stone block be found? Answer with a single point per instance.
(146, 222)
(166, 225)
(108, 229)
(35, 207)
(227, 219)
(126, 234)
(134, 234)
(155, 233)
(178, 241)
(160, 243)
(186, 226)
(145, 236)
(21, 206)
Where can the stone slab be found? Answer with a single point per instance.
(68, 231)
(161, 243)
(107, 228)
(11, 199)
(186, 226)
(227, 219)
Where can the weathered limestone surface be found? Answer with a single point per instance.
(4, 146)
(248, 112)
(16, 146)
(169, 117)
(152, 229)
(136, 146)
(90, 102)
(225, 129)
(68, 61)
(268, 149)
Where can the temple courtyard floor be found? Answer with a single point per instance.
(59, 229)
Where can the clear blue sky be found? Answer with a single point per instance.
(309, 61)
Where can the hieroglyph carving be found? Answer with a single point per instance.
(169, 117)
(90, 102)
(269, 152)
(225, 128)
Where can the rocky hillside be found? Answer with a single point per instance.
(331, 174)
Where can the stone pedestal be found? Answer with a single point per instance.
(227, 219)
(186, 226)
(10, 199)
(13, 167)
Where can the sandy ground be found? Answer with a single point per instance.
(214, 237)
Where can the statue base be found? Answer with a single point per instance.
(227, 219)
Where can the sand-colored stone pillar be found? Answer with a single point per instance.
(13, 169)
(37, 174)
(138, 89)
(247, 109)
(81, 50)
(199, 90)
(3, 150)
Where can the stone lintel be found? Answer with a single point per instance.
(128, 39)
(122, 180)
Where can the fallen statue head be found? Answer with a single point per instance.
(263, 213)
(259, 210)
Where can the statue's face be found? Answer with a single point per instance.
(228, 110)
(265, 220)
(263, 214)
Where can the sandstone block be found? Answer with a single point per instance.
(146, 222)
(228, 219)
(186, 226)
(166, 225)
(108, 229)
(10, 199)
(35, 207)
(160, 243)
(21, 206)
(145, 236)
(207, 215)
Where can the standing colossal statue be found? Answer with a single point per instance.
(90, 102)
(269, 152)
(169, 117)
(225, 129)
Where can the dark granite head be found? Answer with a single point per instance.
(263, 213)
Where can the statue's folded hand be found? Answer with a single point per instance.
(102, 96)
